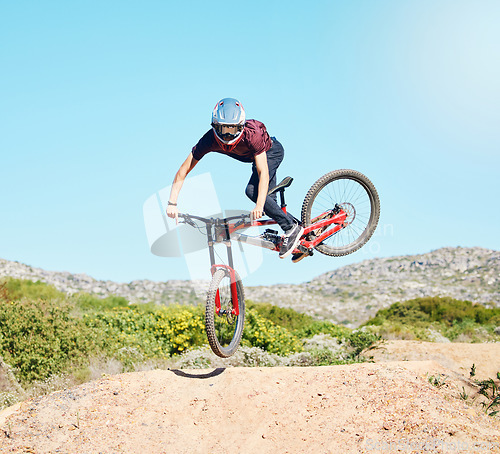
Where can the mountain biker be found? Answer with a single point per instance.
(247, 141)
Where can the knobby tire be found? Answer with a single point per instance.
(224, 337)
(346, 188)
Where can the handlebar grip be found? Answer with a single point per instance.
(186, 219)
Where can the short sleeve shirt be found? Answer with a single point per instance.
(255, 141)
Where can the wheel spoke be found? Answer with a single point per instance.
(354, 193)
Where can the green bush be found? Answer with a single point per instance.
(401, 330)
(300, 325)
(360, 341)
(42, 335)
(285, 317)
(263, 333)
(323, 327)
(16, 289)
(40, 338)
(435, 309)
(166, 331)
(454, 319)
(326, 357)
(88, 302)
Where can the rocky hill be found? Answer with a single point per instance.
(348, 295)
(140, 291)
(354, 293)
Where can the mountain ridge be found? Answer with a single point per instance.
(354, 293)
(349, 295)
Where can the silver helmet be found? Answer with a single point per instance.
(228, 121)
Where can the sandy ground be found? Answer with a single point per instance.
(383, 407)
(458, 357)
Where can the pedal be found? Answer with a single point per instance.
(271, 235)
(301, 254)
(304, 250)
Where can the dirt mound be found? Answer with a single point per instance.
(458, 357)
(381, 407)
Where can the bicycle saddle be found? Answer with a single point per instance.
(287, 181)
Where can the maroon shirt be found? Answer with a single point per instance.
(255, 141)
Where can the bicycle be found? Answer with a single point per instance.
(339, 214)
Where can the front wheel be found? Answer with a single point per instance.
(224, 328)
(353, 193)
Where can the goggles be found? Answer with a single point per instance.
(228, 132)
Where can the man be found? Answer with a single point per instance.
(247, 141)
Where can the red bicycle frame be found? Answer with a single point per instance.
(222, 230)
(338, 219)
(234, 291)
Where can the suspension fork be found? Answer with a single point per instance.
(229, 268)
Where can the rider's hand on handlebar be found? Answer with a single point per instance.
(173, 212)
(256, 213)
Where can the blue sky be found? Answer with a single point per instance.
(100, 102)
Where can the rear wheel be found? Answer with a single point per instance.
(224, 328)
(356, 195)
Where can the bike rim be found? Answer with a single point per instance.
(226, 324)
(347, 193)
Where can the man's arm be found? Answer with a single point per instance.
(180, 176)
(263, 172)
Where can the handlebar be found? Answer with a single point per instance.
(188, 219)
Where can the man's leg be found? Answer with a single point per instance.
(271, 207)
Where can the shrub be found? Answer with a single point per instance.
(166, 331)
(435, 309)
(16, 289)
(455, 319)
(321, 342)
(300, 325)
(40, 338)
(263, 333)
(89, 302)
(284, 317)
(360, 340)
(41, 335)
(322, 327)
